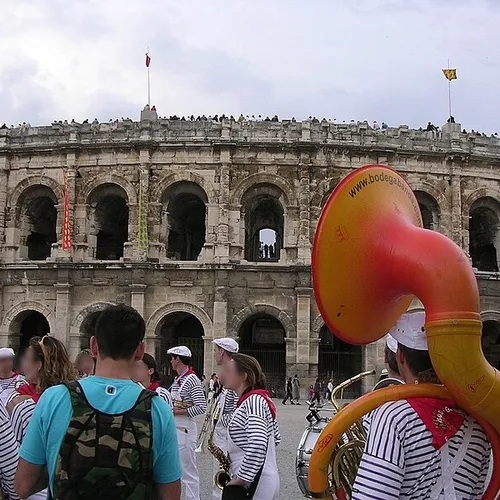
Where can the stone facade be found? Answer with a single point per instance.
(207, 190)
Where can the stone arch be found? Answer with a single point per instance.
(28, 305)
(316, 326)
(432, 191)
(80, 317)
(107, 178)
(484, 192)
(34, 180)
(263, 178)
(165, 182)
(429, 208)
(163, 311)
(253, 309)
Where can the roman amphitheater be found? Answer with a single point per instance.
(231, 209)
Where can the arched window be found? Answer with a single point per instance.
(338, 361)
(25, 325)
(484, 243)
(264, 223)
(184, 225)
(109, 221)
(491, 342)
(38, 219)
(429, 209)
(180, 328)
(263, 337)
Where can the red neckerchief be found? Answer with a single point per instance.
(265, 395)
(29, 390)
(153, 386)
(441, 417)
(188, 372)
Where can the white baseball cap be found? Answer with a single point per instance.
(180, 350)
(392, 343)
(410, 332)
(228, 344)
(6, 352)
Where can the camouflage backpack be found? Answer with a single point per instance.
(106, 456)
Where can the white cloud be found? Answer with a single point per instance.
(373, 59)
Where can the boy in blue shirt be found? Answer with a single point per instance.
(146, 450)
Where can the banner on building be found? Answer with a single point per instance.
(142, 237)
(66, 232)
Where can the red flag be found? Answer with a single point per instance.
(66, 232)
(148, 60)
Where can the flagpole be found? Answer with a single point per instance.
(449, 93)
(149, 85)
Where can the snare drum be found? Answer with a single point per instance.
(307, 442)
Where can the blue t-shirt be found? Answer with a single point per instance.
(53, 413)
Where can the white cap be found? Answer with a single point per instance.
(6, 352)
(180, 350)
(392, 343)
(228, 344)
(410, 332)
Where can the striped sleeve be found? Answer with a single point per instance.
(8, 456)
(21, 417)
(165, 395)
(194, 393)
(256, 437)
(230, 401)
(381, 471)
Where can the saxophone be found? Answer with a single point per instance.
(222, 477)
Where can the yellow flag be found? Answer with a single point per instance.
(143, 225)
(450, 74)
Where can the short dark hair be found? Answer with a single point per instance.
(185, 360)
(150, 362)
(419, 363)
(119, 330)
(390, 360)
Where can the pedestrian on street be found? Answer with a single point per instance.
(289, 395)
(329, 390)
(296, 389)
(317, 392)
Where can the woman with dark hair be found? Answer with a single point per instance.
(146, 374)
(253, 431)
(45, 363)
(85, 363)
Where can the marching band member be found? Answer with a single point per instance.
(10, 380)
(224, 350)
(146, 374)
(85, 363)
(421, 448)
(391, 364)
(188, 401)
(253, 432)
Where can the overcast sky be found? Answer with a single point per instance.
(365, 59)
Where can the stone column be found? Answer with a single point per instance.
(303, 347)
(304, 242)
(222, 242)
(63, 304)
(4, 167)
(456, 208)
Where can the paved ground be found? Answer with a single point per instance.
(292, 422)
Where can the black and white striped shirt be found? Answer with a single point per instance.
(250, 429)
(21, 417)
(8, 456)
(188, 388)
(164, 394)
(399, 460)
(8, 386)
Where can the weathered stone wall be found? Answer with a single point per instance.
(233, 164)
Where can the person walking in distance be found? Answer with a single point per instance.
(253, 432)
(90, 434)
(329, 390)
(224, 349)
(289, 394)
(296, 389)
(317, 392)
(188, 402)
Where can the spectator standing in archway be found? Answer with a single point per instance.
(296, 389)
